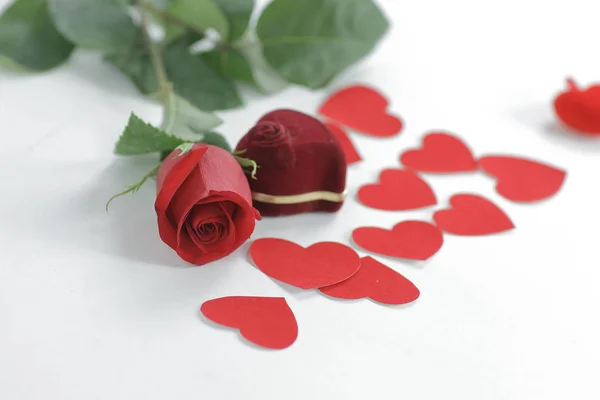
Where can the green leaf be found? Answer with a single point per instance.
(183, 123)
(172, 31)
(238, 14)
(196, 82)
(161, 4)
(186, 122)
(191, 77)
(186, 39)
(216, 139)
(29, 40)
(231, 64)
(309, 42)
(142, 138)
(97, 24)
(265, 77)
(136, 64)
(157, 12)
(200, 15)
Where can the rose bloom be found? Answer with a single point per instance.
(203, 204)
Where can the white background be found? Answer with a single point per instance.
(94, 306)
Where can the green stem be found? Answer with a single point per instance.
(136, 186)
(164, 85)
(247, 163)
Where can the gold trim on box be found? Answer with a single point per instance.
(300, 198)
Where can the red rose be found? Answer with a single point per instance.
(203, 204)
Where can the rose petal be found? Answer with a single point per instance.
(206, 234)
(228, 238)
(243, 218)
(222, 173)
(171, 175)
(187, 214)
(223, 242)
(190, 193)
(209, 176)
(210, 214)
(173, 172)
(188, 220)
(205, 213)
(203, 241)
(212, 209)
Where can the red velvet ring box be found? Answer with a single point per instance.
(301, 164)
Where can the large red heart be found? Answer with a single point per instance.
(579, 109)
(523, 180)
(414, 240)
(472, 215)
(397, 190)
(442, 153)
(266, 321)
(350, 151)
(321, 264)
(363, 109)
(377, 282)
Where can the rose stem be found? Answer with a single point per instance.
(157, 62)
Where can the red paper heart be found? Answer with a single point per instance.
(363, 109)
(523, 180)
(414, 240)
(321, 264)
(441, 152)
(579, 109)
(350, 151)
(266, 321)
(377, 282)
(472, 215)
(397, 190)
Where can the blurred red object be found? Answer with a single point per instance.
(579, 109)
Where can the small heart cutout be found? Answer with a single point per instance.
(376, 281)
(350, 151)
(523, 180)
(363, 109)
(472, 215)
(322, 264)
(413, 240)
(440, 153)
(266, 321)
(397, 190)
(579, 109)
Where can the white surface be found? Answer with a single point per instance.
(94, 306)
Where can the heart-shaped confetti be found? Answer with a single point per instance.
(579, 109)
(319, 265)
(350, 151)
(523, 180)
(440, 153)
(472, 215)
(266, 321)
(397, 190)
(363, 109)
(376, 281)
(413, 240)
